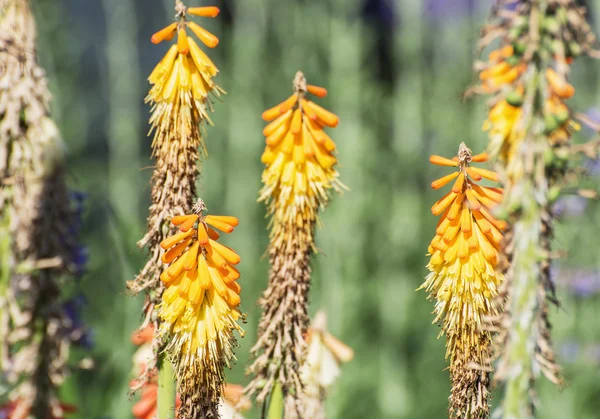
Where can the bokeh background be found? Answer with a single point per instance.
(395, 70)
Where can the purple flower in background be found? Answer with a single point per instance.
(582, 283)
(75, 326)
(443, 9)
(79, 253)
(572, 205)
(570, 351)
(380, 11)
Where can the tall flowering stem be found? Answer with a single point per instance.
(38, 227)
(530, 128)
(463, 279)
(180, 96)
(199, 309)
(300, 172)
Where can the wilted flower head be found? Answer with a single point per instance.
(199, 308)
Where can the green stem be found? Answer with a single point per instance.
(167, 391)
(276, 403)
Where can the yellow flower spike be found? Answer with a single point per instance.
(205, 36)
(296, 122)
(463, 279)
(199, 309)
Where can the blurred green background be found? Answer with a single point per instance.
(395, 71)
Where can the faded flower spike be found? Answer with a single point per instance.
(299, 174)
(199, 309)
(463, 278)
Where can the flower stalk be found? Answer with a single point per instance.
(530, 128)
(298, 177)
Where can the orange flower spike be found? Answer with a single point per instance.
(216, 257)
(442, 161)
(224, 227)
(296, 125)
(205, 36)
(207, 11)
(328, 118)
(443, 181)
(316, 90)
(165, 34)
(176, 238)
(182, 42)
(275, 138)
(288, 104)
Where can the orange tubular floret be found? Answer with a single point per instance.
(443, 181)
(182, 43)
(208, 11)
(316, 90)
(213, 234)
(228, 254)
(175, 251)
(296, 125)
(164, 34)
(274, 125)
(475, 205)
(559, 85)
(189, 223)
(456, 206)
(170, 241)
(180, 219)
(442, 161)
(226, 228)
(227, 219)
(480, 158)
(288, 104)
(271, 113)
(488, 174)
(328, 118)
(202, 235)
(191, 257)
(205, 36)
(476, 176)
(443, 203)
(458, 185)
